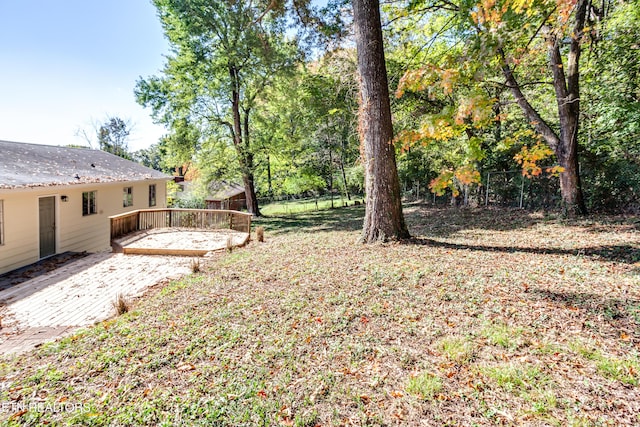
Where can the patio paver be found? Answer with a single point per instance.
(78, 294)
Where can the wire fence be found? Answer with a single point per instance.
(498, 188)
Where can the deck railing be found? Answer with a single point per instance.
(203, 219)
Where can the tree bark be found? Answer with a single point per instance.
(383, 215)
(269, 184)
(568, 98)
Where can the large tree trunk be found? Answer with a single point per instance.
(568, 98)
(250, 193)
(567, 89)
(240, 134)
(383, 216)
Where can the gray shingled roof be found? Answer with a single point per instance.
(221, 190)
(31, 165)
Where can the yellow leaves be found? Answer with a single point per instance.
(428, 78)
(519, 6)
(438, 129)
(443, 181)
(478, 108)
(528, 158)
(489, 14)
(467, 175)
(564, 8)
(450, 179)
(407, 139)
(554, 170)
(435, 128)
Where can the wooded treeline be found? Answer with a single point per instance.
(267, 93)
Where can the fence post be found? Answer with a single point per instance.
(486, 199)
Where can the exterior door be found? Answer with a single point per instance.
(47, 226)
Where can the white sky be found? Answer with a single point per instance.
(67, 64)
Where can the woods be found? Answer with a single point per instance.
(291, 100)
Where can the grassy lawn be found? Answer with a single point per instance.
(486, 317)
(288, 207)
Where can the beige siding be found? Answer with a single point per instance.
(21, 231)
(75, 232)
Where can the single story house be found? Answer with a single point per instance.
(226, 195)
(59, 199)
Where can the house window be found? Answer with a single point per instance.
(89, 203)
(1, 222)
(152, 195)
(127, 197)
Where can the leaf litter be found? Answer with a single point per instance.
(485, 317)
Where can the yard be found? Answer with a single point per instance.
(297, 206)
(486, 317)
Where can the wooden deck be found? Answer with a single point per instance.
(198, 219)
(179, 241)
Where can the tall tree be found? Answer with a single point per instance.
(383, 215)
(225, 53)
(566, 83)
(516, 38)
(110, 135)
(113, 135)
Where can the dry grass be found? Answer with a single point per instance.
(260, 234)
(484, 318)
(195, 265)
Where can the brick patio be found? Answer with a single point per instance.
(78, 294)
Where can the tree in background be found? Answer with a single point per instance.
(611, 107)
(111, 135)
(224, 55)
(532, 49)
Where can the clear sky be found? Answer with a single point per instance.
(67, 64)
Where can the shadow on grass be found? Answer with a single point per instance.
(443, 222)
(339, 219)
(423, 221)
(612, 310)
(438, 223)
(619, 253)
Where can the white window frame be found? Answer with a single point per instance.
(127, 197)
(92, 205)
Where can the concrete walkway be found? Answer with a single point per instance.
(78, 294)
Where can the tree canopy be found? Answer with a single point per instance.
(550, 88)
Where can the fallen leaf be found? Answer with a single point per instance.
(18, 414)
(186, 367)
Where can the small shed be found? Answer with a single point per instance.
(226, 195)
